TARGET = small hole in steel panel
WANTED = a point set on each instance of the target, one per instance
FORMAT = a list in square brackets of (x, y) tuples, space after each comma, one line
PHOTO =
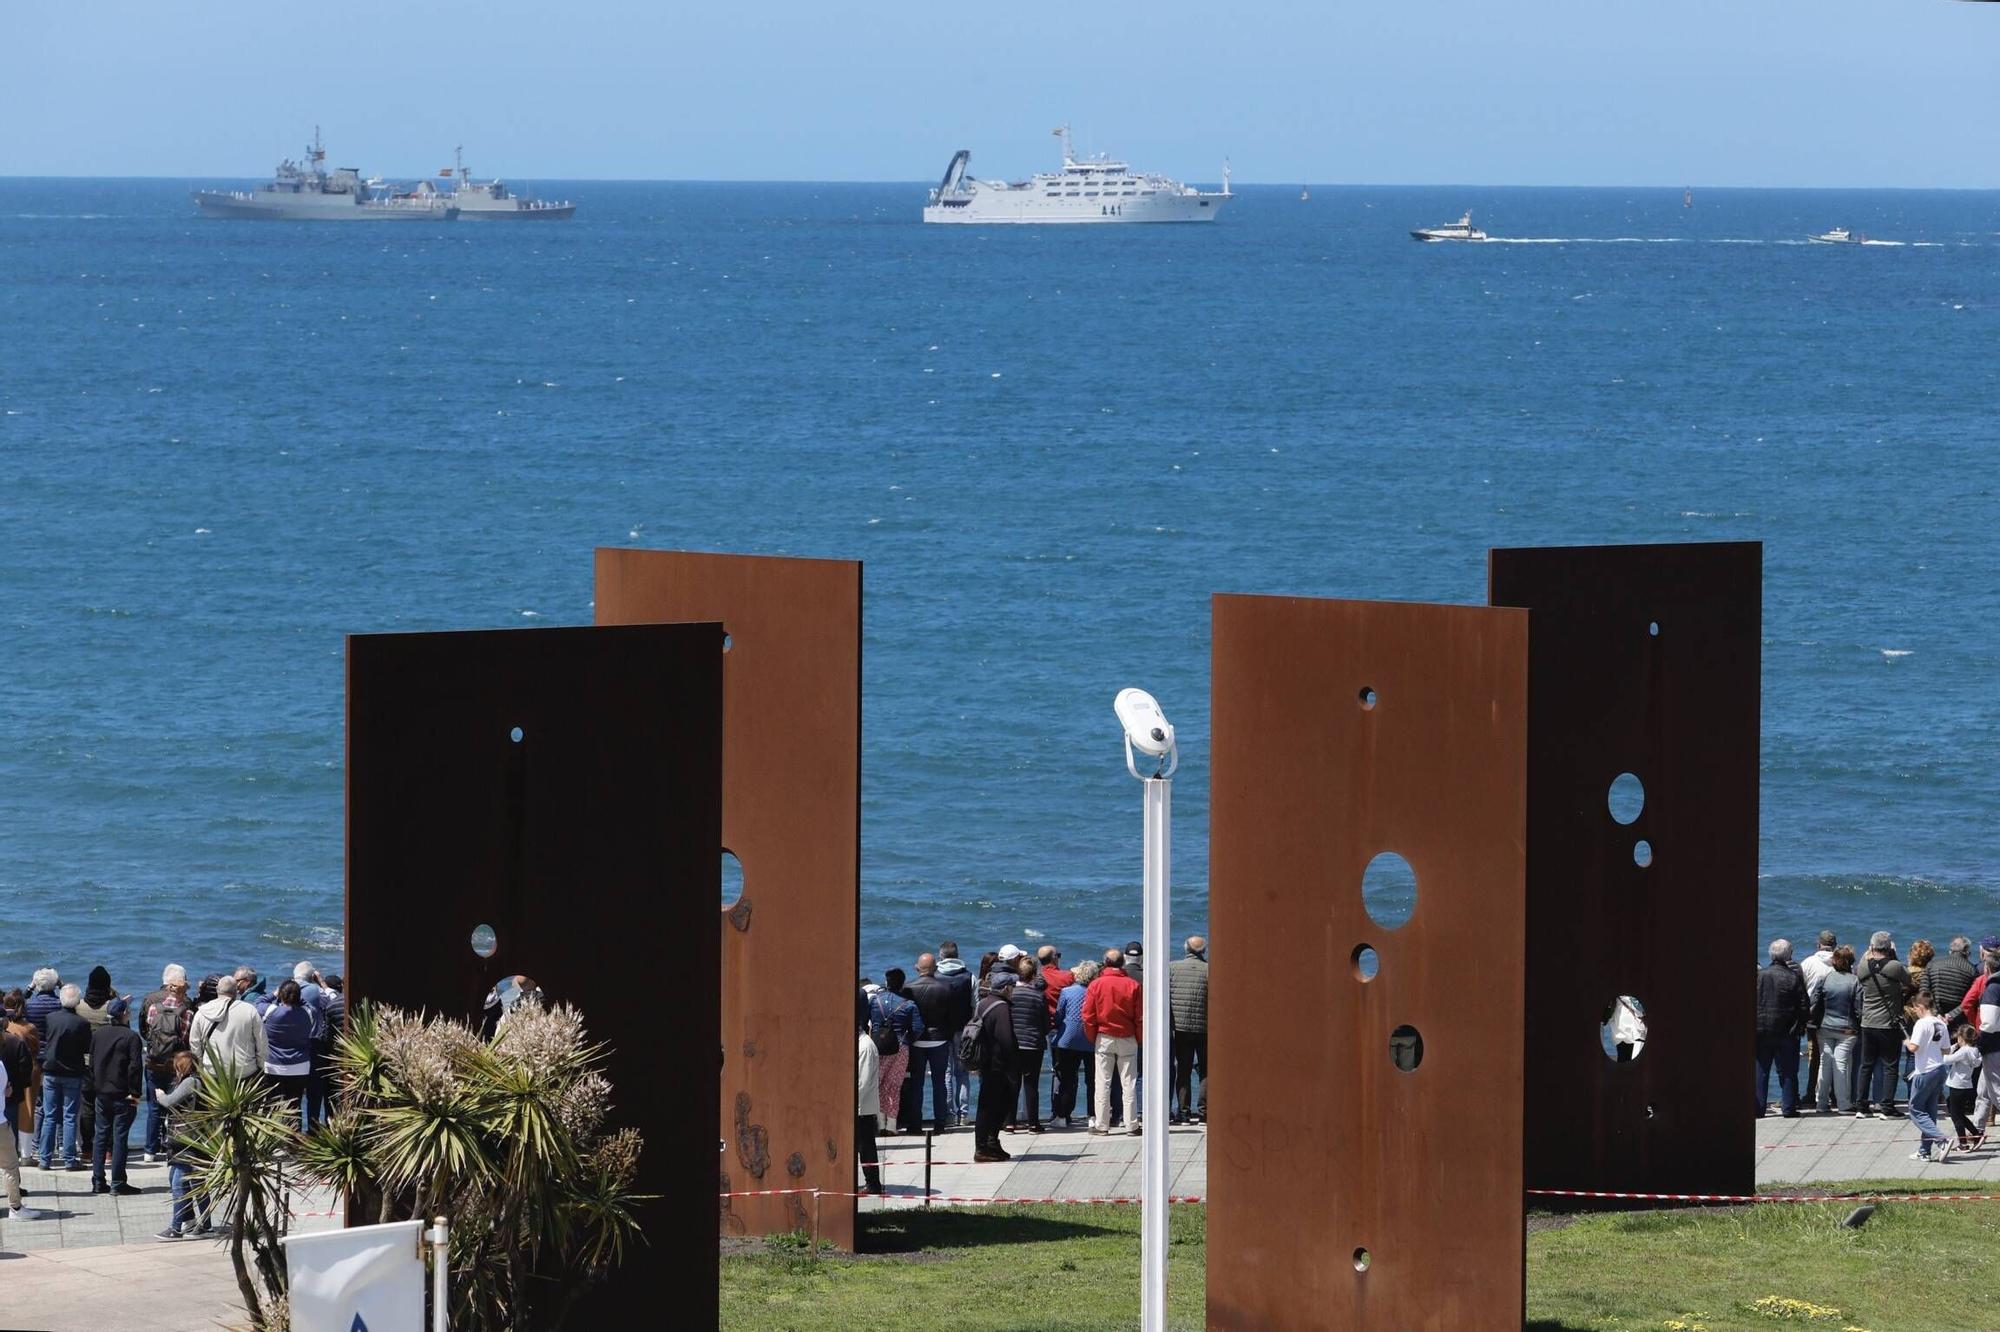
[(732, 879), (1368, 698), (517, 735), (1621, 1030), (727, 642), (1642, 854), (485, 942), (1406, 1048), (1362, 1259), (1627, 798), (1389, 890), (1366, 963), (1653, 629)]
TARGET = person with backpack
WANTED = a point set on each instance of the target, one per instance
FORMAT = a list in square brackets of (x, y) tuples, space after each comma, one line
[(164, 1020), (986, 1047), (1884, 983), (893, 1022)]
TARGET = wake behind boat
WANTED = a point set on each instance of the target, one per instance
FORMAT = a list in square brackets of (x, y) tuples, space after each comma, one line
[(1461, 230), (1095, 189), (307, 192)]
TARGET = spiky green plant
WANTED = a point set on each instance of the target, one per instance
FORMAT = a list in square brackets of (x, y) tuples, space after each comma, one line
[(505, 1137), (241, 1142)]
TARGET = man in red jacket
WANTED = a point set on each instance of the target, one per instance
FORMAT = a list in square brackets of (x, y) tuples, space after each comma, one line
[(1113, 1021)]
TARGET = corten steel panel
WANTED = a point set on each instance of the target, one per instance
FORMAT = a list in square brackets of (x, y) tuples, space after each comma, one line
[(1679, 709), (588, 846), (791, 814), (1319, 1144)]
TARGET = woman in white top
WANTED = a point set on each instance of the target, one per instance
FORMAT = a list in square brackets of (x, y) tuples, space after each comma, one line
[(867, 1097), (1926, 1043)]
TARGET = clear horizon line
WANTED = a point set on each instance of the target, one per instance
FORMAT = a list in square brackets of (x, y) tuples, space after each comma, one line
[(925, 183)]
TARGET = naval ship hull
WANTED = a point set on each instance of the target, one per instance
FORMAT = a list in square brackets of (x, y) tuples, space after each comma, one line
[(507, 211), (313, 208)]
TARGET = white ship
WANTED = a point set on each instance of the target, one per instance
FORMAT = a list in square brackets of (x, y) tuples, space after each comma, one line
[(1094, 189), (1839, 236), (1461, 230)]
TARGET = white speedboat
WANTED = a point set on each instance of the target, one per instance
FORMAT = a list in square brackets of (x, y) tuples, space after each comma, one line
[(1840, 236), (1461, 230)]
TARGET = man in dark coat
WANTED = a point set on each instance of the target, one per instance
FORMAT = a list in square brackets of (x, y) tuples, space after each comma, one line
[(1781, 1016), (1187, 989), (997, 1083), (65, 1058), (118, 1073)]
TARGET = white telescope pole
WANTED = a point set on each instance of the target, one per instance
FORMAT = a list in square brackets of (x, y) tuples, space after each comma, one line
[(1153, 1175)]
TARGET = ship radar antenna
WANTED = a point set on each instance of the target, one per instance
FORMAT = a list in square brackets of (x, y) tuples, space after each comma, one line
[(318, 150), (460, 153)]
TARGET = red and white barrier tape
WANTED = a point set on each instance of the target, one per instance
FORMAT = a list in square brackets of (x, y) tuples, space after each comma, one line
[(1851, 1198), (941, 1198)]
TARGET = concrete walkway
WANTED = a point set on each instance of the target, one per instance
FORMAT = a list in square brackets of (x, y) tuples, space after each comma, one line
[(1070, 1164), (90, 1264)]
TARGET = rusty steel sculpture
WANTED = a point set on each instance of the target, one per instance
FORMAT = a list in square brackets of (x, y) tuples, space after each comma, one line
[(547, 803), (1366, 1166), (1642, 855), (791, 815)]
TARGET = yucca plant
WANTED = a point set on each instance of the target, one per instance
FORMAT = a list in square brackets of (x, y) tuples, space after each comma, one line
[(241, 1143), (505, 1137)]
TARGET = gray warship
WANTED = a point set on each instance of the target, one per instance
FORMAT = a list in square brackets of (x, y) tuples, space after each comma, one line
[(491, 200), (308, 192)]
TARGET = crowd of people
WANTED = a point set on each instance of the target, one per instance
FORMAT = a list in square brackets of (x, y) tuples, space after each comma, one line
[(1000, 1023), (1874, 1025), (79, 1067)]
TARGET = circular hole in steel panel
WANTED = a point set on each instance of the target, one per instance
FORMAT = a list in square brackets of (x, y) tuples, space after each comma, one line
[(732, 879), (727, 643), (1362, 1259), (1626, 799), (1642, 854), (1406, 1048), (1622, 1029), (517, 735), (1653, 629), (1389, 890), (484, 941), (1366, 963), (1368, 698)]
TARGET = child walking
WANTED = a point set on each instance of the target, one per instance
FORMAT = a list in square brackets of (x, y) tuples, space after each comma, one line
[(1926, 1044), (1961, 1079)]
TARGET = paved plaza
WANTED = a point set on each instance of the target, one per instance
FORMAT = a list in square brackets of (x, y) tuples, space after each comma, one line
[(91, 1264)]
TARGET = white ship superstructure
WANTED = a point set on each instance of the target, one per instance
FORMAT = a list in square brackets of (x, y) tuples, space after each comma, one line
[(1093, 189)]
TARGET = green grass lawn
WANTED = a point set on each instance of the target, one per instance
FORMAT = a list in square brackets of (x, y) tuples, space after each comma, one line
[(1059, 1268)]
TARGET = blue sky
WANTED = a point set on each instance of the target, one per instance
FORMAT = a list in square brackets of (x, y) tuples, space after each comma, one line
[(1586, 92)]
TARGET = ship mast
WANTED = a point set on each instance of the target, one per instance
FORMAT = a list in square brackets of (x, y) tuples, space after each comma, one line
[(1062, 132)]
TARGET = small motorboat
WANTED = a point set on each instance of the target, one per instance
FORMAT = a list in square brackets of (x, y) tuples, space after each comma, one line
[(1839, 236), (1304, 194), (1461, 230)]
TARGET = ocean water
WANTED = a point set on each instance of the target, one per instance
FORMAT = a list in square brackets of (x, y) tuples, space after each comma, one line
[(225, 445)]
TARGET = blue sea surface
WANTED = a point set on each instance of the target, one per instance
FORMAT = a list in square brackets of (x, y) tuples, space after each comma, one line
[(224, 445)]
